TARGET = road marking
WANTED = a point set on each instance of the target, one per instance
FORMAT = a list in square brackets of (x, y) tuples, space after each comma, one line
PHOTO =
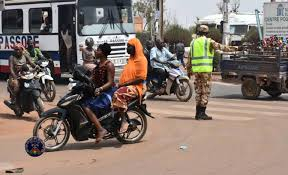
[(191, 114), (261, 108), (233, 111), (5, 166), (224, 84)]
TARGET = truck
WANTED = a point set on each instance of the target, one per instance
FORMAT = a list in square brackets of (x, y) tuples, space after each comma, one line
[(257, 71), (264, 68)]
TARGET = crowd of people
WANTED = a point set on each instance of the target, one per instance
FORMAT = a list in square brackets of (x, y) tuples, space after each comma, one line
[(141, 65)]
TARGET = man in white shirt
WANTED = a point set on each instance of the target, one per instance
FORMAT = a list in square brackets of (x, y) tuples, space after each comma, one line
[(158, 57)]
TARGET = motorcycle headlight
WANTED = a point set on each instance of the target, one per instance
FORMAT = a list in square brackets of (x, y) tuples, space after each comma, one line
[(44, 64)]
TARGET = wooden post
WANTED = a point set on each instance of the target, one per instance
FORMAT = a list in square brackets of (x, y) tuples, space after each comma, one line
[(161, 22)]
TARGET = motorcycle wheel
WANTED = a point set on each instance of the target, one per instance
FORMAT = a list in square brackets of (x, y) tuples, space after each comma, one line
[(136, 129), (185, 94), (45, 132), (50, 91), (39, 106)]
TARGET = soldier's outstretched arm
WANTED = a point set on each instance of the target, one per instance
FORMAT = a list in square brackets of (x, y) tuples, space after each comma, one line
[(218, 46)]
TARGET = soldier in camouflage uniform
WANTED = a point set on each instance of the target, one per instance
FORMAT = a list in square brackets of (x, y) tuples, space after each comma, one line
[(201, 65)]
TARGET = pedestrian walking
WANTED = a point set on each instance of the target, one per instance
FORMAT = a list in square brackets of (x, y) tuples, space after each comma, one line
[(147, 50), (180, 50), (200, 63)]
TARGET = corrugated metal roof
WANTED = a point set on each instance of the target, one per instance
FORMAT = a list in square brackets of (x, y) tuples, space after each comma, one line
[(234, 19)]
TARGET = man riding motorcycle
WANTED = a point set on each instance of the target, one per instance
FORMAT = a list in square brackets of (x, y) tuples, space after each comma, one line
[(159, 56), (34, 53), (16, 61)]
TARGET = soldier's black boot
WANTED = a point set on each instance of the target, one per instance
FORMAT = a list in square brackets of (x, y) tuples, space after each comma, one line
[(203, 115), (197, 112)]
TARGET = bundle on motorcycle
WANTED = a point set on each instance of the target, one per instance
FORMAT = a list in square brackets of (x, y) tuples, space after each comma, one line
[(68, 117), (176, 82), (28, 98)]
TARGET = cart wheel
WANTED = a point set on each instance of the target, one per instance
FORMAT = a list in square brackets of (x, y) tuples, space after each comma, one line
[(250, 89)]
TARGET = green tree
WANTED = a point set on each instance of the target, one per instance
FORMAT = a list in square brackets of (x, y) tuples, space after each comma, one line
[(143, 37), (144, 9), (215, 34), (176, 33), (251, 36)]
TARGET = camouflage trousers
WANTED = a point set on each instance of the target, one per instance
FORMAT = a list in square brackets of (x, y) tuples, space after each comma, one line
[(202, 84)]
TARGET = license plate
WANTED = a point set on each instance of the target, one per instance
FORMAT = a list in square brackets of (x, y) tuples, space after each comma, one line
[(119, 62)]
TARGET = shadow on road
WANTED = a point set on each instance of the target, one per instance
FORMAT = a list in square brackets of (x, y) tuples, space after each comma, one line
[(181, 118), (240, 97), (163, 99), (13, 117), (92, 145)]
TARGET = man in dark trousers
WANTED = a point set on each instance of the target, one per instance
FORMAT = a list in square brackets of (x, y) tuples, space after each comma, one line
[(148, 46), (180, 50), (201, 65)]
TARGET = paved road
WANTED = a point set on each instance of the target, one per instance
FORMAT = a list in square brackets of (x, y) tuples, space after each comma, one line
[(246, 137)]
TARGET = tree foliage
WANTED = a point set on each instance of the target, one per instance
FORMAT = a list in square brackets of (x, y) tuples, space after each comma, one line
[(144, 9), (220, 6), (251, 36), (143, 37), (234, 6), (176, 33), (215, 34)]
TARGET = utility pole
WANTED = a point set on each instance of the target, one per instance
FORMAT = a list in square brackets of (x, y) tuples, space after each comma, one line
[(2, 5), (161, 23), (226, 27), (152, 26), (258, 25)]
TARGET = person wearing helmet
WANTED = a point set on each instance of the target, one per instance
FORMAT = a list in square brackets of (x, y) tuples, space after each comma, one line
[(16, 61), (200, 63), (88, 54)]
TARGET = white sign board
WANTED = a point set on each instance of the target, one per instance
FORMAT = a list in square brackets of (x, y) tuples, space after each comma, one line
[(276, 19), (2, 5)]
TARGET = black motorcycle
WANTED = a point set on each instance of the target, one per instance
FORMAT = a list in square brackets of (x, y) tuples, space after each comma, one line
[(29, 96), (56, 124)]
